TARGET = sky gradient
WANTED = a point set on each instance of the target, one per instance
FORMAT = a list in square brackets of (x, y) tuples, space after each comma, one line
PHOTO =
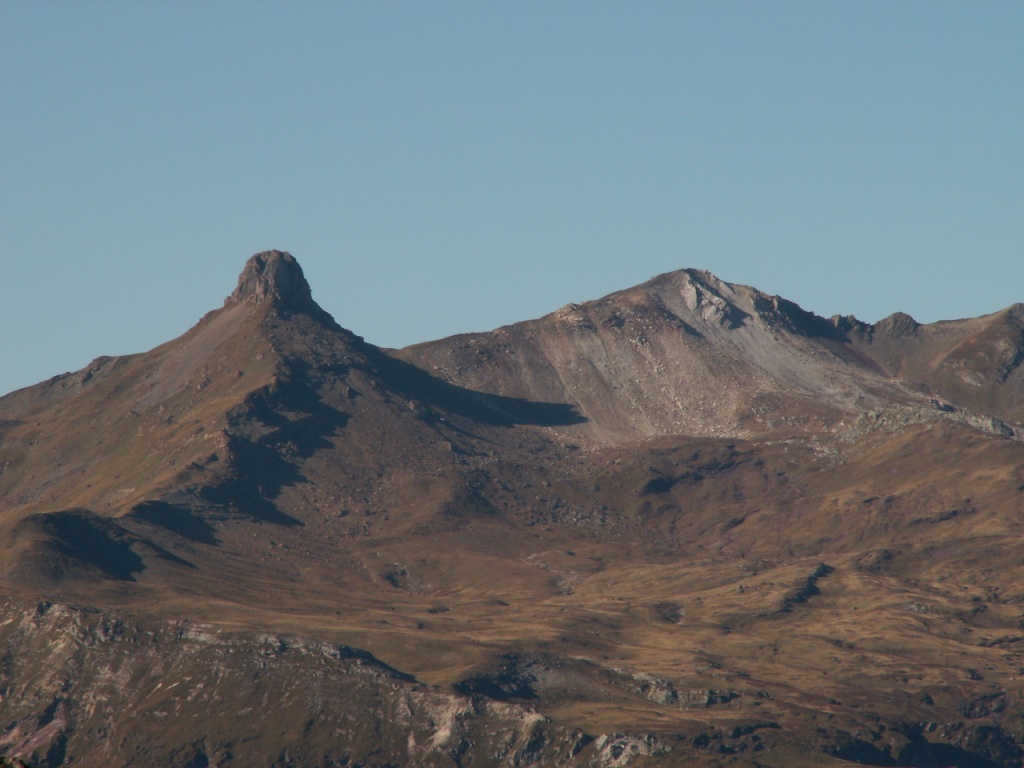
[(446, 167)]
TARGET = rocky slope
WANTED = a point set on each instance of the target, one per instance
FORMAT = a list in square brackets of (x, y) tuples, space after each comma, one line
[(687, 353), (978, 363), (687, 524), (110, 691)]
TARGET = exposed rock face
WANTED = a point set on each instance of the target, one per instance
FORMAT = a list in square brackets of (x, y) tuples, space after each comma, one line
[(103, 690), (275, 278), (272, 276)]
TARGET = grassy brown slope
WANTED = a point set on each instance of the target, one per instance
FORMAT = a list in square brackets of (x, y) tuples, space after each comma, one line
[(701, 610), (125, 428), (906, 628)]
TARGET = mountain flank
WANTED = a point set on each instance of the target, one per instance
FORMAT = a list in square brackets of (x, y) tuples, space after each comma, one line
[(688, 523), (687, 353)]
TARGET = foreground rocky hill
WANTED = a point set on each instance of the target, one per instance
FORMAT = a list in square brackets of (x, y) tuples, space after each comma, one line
[(687, 524)]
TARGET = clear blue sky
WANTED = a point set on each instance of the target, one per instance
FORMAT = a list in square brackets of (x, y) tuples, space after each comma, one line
[(439, 167)]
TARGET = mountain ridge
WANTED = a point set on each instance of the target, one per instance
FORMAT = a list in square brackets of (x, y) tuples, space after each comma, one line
[(682, 524), (689, 321)]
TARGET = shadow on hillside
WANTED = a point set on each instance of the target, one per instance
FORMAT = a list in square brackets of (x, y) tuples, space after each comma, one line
[(920, 752), (176, 519), (481, 407), (83, 539), (280, 425), (276, 428)]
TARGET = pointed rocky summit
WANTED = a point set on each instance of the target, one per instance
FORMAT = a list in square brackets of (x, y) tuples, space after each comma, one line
[(276, 277), (273, 276)]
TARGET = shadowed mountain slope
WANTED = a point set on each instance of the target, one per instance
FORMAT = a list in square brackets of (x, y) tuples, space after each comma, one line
[(686, 524)]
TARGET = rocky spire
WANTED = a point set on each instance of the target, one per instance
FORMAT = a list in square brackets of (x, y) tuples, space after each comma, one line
[(276, 277), (273, 276)]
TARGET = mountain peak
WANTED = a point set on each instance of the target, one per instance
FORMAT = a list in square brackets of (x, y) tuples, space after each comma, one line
[(273, 276)]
